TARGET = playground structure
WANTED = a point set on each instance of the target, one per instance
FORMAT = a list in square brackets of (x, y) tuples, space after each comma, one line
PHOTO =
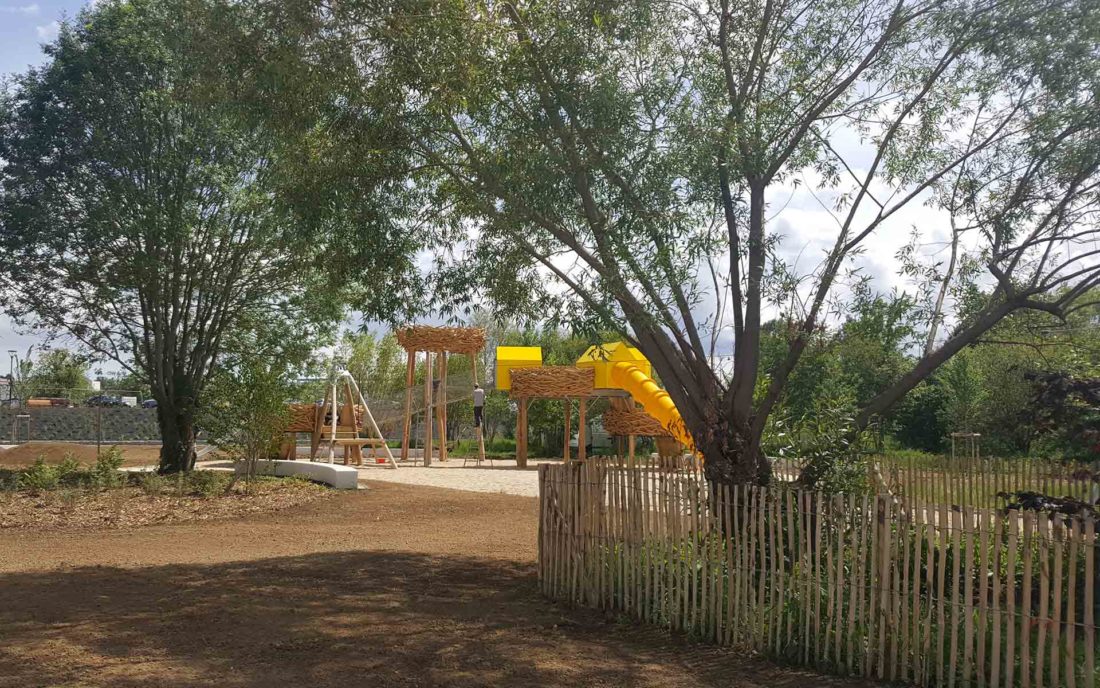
[(616, 371), (437, 343), (339, 421), (552, 382)]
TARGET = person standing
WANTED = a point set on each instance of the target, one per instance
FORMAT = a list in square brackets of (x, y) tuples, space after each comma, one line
[(479, 405)]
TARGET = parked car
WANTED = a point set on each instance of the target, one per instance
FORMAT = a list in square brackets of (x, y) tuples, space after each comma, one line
[(149, 403), (105, 400)]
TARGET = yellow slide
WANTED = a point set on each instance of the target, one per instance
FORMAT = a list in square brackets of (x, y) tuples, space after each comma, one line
[(653, 399), (618, 366)]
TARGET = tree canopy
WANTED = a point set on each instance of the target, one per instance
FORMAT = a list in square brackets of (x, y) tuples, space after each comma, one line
[(148, 213), (620, 165)]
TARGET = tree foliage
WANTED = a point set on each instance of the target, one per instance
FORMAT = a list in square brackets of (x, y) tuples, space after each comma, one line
[(148, 213), (618, 166), (57, 373)]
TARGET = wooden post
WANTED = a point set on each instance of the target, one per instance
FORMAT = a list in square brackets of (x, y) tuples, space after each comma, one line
[(630, 448), (568, 428), (427, 408), (581, 453), (410, 377), (441, 406), (521, 433)]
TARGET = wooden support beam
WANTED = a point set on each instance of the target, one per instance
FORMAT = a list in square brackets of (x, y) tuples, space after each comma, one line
[(428, 408), (441, 405), (410, 377), (582, 454), (521, 433), (568, 404)]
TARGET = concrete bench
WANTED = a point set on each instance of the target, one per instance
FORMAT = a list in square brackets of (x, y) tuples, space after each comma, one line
[(336, 475)]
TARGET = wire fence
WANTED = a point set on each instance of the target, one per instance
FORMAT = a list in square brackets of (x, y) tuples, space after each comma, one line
[(857, 585)]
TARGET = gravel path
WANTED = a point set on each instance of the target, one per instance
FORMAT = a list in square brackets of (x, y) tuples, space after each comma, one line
[(504, 478)]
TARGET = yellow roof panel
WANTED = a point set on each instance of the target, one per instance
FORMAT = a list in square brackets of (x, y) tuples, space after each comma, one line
[(614, 352), (519, 355)]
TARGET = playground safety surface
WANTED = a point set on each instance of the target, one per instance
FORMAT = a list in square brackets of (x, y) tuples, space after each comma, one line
[(397, 585)]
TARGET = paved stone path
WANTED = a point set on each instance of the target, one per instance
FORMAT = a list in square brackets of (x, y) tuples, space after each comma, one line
[(503, 478)]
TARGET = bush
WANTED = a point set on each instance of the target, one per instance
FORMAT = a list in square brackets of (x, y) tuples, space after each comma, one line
[(105, 473), (40, 476), (151, 483), (208, 483), (919, 418), (68, 471)]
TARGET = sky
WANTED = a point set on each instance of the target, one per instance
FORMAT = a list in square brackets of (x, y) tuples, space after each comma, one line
[(24, 26), (796, 211)]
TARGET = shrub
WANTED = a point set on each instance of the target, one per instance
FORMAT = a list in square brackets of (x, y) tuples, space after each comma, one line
[(40, 476), (105, 473), (68, 471), (208, 483), (9, 480), (151, 482)]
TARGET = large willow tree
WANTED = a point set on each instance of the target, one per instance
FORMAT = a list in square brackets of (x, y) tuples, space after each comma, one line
[(149, 214), (621, 164)]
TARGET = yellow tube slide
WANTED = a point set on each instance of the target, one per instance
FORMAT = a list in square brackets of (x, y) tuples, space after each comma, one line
[(653, 399)]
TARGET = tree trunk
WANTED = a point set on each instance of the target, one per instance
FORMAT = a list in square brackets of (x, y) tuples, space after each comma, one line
[(177, 433), (731, 456)]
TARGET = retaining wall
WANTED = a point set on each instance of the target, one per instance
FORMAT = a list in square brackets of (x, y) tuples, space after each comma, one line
[(80, 424)]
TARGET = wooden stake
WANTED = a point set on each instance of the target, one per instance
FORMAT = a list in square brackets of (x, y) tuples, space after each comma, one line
[(410, 376), (428, 408), (441, 405), (521, 432), (568, 406), (582, 405)]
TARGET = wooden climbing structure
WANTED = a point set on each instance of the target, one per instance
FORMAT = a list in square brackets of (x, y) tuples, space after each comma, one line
[(437, 344), (625, 420), (343, 420), (552, 382), (638, 406)]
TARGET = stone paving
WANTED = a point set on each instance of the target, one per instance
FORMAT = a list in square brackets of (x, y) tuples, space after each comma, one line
[(501, 478)]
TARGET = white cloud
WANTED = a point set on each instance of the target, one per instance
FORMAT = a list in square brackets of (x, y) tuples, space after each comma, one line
[(48, 32), (29, 10)]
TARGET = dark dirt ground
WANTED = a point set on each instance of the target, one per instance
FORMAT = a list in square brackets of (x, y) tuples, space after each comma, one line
[(393, 586)]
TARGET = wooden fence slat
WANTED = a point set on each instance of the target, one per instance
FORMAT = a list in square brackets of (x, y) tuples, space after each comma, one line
[(1074, 536), (969, 526), (956, 593), (1028, 556), (984, 571), (996, 540), (1044, 599), (1089, 603), (854, 583), (1058, 545), (793, 544)]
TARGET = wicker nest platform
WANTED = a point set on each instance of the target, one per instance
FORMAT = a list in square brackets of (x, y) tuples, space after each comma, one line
[(302, 417), (555, 382), (429, 338), (619, 421)]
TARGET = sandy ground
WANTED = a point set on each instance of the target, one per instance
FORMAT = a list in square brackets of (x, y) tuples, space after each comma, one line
[(502, 478), (24, 455), (393, 586)]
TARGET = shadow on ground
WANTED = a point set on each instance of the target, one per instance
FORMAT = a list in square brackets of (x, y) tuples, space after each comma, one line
[(337, 619)]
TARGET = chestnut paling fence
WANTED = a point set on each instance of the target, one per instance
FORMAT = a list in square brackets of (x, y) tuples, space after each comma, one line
[(871, 586)]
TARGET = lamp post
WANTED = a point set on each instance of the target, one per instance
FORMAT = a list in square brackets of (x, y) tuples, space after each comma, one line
[(11, 375)]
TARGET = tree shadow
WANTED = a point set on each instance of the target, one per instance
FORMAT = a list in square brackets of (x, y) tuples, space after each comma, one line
[(336, 619)]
